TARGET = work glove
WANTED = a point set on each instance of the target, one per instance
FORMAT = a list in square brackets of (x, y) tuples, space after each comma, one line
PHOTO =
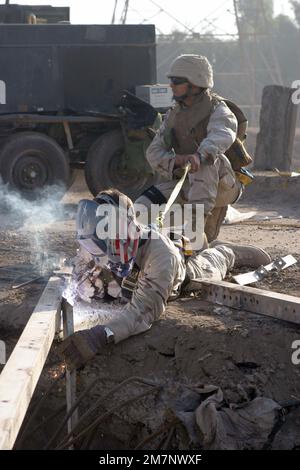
[(193, 159), (85, 291), (79, 348)]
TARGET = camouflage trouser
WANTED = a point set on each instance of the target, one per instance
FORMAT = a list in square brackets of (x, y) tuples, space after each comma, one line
[(212, 264), (213, 186)]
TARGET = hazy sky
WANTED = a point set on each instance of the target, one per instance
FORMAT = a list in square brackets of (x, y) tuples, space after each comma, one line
[(198, 15)]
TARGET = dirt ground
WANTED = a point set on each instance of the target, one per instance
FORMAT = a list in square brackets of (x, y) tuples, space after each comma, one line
[(194, 343)]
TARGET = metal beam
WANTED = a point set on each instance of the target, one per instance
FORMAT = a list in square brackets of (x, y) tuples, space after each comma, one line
[(68, 329), (268, 303), (23, 369)]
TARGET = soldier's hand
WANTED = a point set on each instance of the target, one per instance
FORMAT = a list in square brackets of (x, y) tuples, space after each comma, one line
[(182, 160), (85, 290)]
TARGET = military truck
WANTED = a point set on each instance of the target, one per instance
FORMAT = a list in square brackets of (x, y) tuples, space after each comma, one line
[(67, 100)]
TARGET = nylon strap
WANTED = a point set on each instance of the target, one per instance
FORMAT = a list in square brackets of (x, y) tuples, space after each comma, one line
[(162, 214)]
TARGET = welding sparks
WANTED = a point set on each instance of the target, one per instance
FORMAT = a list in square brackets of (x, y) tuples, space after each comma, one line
[(57, 372), (70, 291)]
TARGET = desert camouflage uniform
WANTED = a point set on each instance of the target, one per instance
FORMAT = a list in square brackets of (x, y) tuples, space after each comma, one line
[(209, 128), (163, 268)]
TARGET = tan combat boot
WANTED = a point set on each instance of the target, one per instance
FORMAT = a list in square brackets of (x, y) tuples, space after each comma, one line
[(245, 255)]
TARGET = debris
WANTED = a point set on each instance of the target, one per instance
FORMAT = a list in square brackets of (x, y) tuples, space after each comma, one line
[(288, 437), (222, 311), (207, 356), (237, 427), (292, 174), (233, 216), (245, 334), (254, 276), (268, 217)]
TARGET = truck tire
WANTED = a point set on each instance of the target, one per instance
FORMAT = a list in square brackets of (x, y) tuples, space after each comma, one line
[(103, 168), (30, 161)]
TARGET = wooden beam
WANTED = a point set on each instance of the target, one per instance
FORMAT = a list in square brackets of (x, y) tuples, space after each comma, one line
[(272, 304), (22, 371)]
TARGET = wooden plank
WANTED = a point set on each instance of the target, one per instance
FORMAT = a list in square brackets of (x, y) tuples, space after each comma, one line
[(68, 329), (272, 304), (22, 371)]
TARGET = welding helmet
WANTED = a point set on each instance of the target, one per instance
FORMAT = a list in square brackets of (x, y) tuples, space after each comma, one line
[(107, 228), (86, 224)]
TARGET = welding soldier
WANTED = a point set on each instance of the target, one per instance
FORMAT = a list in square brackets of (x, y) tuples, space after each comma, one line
[(162, 269), (198, 130)]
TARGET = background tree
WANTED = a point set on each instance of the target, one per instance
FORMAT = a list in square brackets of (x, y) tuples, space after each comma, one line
[(296, 8), (254, 14)]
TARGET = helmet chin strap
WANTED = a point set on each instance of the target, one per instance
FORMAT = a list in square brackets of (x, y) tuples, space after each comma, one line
[(180, 99)]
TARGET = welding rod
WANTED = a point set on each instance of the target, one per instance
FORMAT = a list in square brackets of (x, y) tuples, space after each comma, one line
[(23, 284), (18, 286)]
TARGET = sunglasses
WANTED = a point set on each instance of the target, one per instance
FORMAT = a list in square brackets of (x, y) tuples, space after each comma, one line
[(178, 80)]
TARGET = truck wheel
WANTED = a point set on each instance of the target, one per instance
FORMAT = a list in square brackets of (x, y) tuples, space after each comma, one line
[(103, 168), (31, 160)]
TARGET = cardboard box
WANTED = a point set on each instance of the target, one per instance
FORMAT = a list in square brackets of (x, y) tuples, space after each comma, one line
[(159, 96)]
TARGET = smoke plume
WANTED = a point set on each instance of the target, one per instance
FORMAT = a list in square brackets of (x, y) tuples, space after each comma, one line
[(31, 220)]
